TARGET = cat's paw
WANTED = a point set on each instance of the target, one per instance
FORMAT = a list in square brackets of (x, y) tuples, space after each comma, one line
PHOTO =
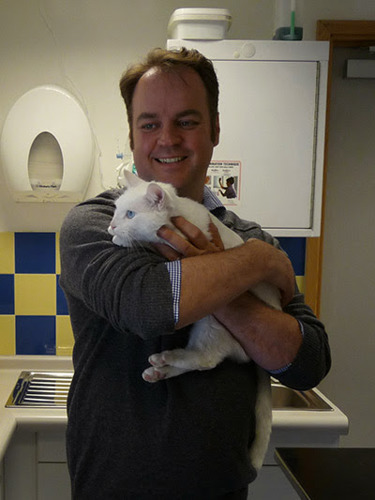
[(159, 359), (152, 374)]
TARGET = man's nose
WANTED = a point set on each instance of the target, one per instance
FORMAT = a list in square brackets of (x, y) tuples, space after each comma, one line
[(169, 135)]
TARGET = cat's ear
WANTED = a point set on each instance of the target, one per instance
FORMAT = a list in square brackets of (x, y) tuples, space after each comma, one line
[(131, 179), (156, 195)]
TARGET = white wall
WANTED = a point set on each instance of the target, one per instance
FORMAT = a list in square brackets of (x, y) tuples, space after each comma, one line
[(348, 291), (85, 45)]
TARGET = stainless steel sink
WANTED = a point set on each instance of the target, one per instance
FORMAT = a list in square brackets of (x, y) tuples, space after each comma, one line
[(284, 398), (50, 389)]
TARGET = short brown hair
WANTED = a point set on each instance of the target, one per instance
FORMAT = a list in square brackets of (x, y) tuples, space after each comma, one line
[(169, 61)]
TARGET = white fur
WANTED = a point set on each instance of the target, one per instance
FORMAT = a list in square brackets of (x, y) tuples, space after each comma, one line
[(152, 205)]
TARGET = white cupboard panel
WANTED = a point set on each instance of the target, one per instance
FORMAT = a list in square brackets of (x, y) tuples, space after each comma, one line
[(53, 481), (271, 484), (272, 114), (268, 124)]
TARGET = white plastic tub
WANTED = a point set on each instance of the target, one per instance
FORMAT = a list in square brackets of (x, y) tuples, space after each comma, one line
[(199, 24)]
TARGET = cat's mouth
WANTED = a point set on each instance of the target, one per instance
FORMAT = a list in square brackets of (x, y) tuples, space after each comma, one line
[(176, 159)]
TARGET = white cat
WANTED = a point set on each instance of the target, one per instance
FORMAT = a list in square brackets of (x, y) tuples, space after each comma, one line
[(140, 211)]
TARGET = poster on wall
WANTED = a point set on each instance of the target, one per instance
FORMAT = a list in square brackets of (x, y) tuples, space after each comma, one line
[(224, 179)]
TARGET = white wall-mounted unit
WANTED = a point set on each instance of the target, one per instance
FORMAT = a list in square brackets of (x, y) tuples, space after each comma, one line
[(47, 147), (272, 116)]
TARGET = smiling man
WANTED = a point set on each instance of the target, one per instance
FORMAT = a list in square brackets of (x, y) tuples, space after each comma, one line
[(185, 437), (172, 130)]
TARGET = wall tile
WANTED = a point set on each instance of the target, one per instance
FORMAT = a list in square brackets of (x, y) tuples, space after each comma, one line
[(7, 253), (61, 304), (35, 253), (34, 316), (36, 335), (6, 293), (64, 336), (35, 294), (7, 336)]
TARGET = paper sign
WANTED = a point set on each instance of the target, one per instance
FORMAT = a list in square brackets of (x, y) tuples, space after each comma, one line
[(224, 179)]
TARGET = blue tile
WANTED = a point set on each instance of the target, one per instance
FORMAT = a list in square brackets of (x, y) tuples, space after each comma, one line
[(36, 335), (6, 293), (35, 253), (61, 304), (296, 250)]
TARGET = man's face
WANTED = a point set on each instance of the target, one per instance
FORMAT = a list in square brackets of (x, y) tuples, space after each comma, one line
[(172, 130)]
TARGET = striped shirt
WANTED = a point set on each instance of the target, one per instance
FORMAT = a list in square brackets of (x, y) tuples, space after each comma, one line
[(210, 201)]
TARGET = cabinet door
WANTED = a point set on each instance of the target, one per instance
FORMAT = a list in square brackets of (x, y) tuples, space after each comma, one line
[(53, 481), (268, 120), (271, 484), (52, 470)]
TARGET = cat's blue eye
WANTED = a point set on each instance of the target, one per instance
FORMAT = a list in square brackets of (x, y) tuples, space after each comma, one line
[(130, 214)]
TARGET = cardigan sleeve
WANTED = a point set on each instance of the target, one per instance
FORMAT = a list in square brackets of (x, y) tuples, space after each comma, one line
[(129, 287), (313, 360)]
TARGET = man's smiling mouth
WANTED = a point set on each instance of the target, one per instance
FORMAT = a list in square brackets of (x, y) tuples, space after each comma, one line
[(176, 159)]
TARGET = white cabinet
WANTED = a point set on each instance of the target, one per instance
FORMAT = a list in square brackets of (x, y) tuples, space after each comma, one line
[(52, 470), (1, 481), (53, 481), (272, 484), (272, 113), (35, 466)]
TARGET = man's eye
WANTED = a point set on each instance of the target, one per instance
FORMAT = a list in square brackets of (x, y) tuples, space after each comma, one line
[(130, 214), (188, 123), (148, 126)]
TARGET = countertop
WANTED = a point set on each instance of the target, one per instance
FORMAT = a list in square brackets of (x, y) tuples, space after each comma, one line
[(36, 418), (342, 472), (11, 418)]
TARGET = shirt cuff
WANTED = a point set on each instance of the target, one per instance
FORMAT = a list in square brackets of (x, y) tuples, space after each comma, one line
[(174, 269)]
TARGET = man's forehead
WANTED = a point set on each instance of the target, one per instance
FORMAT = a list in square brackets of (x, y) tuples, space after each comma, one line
[(183, 73)]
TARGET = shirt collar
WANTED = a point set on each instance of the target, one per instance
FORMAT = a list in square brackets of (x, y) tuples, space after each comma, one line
[(210, 200)]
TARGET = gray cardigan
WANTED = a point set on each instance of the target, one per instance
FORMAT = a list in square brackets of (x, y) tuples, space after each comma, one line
[(181, 438)]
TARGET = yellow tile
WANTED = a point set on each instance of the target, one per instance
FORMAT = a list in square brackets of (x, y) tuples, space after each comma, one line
[(6, 253), (64, 336), (301, 283), (58, 268), (7, 335), (35, 294)]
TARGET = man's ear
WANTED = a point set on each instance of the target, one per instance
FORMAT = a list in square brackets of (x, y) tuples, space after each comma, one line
[(217, 131)]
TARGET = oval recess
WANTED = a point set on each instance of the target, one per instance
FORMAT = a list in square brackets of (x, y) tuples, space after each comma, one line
[(45, 163)]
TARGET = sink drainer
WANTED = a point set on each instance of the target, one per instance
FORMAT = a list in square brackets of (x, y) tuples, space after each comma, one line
[(41, 389)]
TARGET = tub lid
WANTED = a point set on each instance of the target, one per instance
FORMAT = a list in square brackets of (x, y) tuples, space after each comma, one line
[(200, 14)]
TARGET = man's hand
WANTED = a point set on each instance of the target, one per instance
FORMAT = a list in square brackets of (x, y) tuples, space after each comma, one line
[(195, 243), (214, 278)]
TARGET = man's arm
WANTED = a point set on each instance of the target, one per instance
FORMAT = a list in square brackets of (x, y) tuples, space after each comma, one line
[(212, 278), (293, 344), (271, 338)]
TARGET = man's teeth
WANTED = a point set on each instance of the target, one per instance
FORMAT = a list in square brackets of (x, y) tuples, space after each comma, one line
[(171, 160)]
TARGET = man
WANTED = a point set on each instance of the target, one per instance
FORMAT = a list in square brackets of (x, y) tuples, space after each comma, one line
[(229, 191), (185, 437)]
